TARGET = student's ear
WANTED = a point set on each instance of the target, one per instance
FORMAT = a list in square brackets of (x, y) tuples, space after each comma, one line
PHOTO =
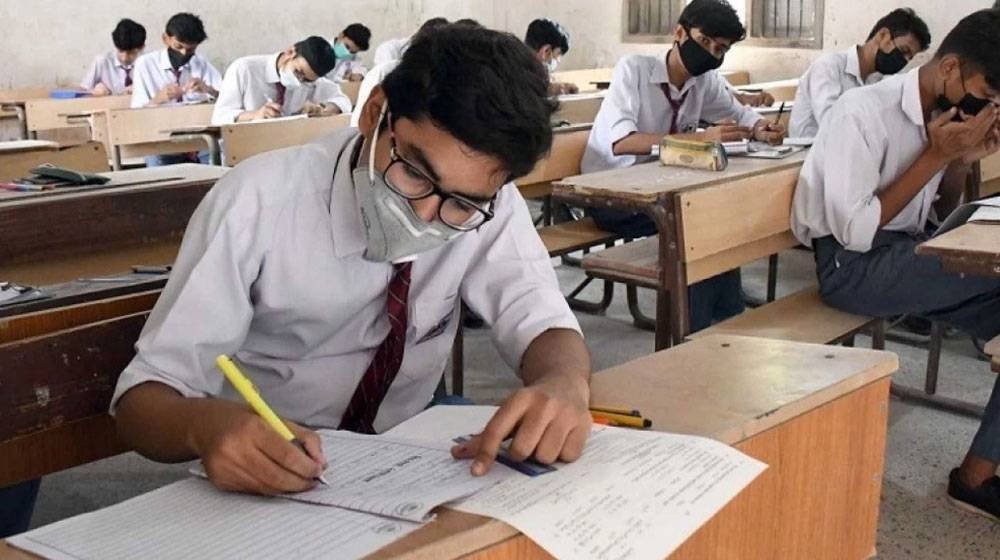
[(371, 111), (544, 53), (949, 66), (679, 33), (166, 39)]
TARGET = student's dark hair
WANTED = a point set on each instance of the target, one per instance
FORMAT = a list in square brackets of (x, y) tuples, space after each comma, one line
[(716, 19), (484, 87), (359, 34), (543, 32), (468, 21), (318, 53), (186, 28), (976, 41), (904, 21), (432, 23), (128, 35)]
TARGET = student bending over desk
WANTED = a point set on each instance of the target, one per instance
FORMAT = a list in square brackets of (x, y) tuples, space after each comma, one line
[(868, 186), (653, 96), (550, 41), (892, 43), (288, 83), (351, 41), (176, 74), (338, 292), (111, 73)]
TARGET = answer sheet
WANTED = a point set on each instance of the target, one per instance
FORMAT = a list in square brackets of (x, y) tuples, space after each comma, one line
[(632, 495), (394, 478), (191, 519)]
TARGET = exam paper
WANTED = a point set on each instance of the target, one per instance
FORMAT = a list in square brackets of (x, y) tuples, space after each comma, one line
[(191, 519), (394, 478), (986, 214), (632, 495), (444, 423)]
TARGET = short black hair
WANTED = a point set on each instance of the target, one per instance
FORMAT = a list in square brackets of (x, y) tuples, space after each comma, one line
[(432, 23), (715, 18), (318, 53), (543, 32), (484, 87), (128, 35), (901, 22), (468, 21), (976, 42), (186, 28), (359, 35)]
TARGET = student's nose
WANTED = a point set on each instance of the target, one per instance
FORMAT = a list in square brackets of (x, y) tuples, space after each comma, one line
[(427, 208)]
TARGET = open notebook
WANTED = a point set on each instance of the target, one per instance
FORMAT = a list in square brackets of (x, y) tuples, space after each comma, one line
[(639, 493)]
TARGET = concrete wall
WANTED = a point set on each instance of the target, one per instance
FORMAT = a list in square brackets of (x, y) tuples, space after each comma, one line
[(46, 42)]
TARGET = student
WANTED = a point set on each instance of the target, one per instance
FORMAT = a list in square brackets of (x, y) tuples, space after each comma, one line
[(887, 156), (288, 83), (174, 75), (387, 56), (393, 49), (352, 40), (652, 96), (111, 73), (290, 260), (550, 41), (892, 43)]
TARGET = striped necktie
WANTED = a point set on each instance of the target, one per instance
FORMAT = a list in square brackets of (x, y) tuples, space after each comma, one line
[(360, 414)]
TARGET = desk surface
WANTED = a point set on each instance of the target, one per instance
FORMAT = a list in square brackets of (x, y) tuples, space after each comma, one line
[(971, 248), (645, 183), (15, 146), (726, 387), (131, 179)]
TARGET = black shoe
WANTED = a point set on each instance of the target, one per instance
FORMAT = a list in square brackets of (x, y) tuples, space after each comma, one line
[(916, 325), (983, 500)]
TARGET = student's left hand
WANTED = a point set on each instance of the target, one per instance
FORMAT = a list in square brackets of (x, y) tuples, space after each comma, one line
[(989, 146), (549, 421), (767, 131), (197, 85), (100, 90), (760, 99)]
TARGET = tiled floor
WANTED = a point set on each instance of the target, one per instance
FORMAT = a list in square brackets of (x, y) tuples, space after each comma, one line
[(916, 522)]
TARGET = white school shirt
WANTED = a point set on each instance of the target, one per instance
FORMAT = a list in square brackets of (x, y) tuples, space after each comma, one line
[(391, 50), (271, 270), (347, 66), (868, 139), (153, 72), (106, 69), (372, 79), (253, 80), (827, 78), (636, 103)]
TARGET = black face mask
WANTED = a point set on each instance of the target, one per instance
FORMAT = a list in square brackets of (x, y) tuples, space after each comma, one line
[(696, 58), (887, 63), (969, 104), (177, 59)]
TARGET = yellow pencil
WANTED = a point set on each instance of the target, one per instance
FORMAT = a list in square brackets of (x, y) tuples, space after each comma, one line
[(614, 410), (623, 420), (249, 393)]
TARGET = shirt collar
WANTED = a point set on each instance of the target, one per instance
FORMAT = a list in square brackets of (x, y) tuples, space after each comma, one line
[(271, 72), (854, 64), (658, 75), (911, 97), (348, 234), (164, 61)]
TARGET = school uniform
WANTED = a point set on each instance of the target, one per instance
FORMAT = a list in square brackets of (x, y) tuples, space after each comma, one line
[(372, 79), (827, 78), (152, 73), (642, 99), (108, 70), (347, 66), (271, 270), (868, 139), (252, 81), (391, 50)]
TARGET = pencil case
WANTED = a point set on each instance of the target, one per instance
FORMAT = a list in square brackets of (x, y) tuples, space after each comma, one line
[(710, 156)]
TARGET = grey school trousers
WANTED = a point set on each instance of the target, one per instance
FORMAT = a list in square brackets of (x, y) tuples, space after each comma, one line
[(891, 279)]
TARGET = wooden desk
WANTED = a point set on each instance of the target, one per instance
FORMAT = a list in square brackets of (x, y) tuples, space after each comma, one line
[(137, 218), (709, 222), (967, 249), (88, 157), (245, 140), (15, 99), (815, 414), (142, 132), (64, 114), (21, 146), (579, 108)]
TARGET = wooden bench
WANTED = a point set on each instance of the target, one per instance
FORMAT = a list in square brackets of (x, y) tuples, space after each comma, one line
[(130, 133), (585, 80), (69, 119), (578, 108), (782, 90), (12, 102), (244, 140), (88, 157)]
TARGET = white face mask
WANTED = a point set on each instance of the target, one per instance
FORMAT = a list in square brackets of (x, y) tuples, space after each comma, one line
[(393, 231), (289, 79), (552, 64)]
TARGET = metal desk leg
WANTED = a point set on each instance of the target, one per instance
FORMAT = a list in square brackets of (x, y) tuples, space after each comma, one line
[(214, 152), (116, 158), (22, 121)]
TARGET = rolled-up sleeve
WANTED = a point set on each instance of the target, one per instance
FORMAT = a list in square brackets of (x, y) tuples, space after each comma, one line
[(511, 284), (720, 104), (824, 88), (622, 102), (230, 104), (205, 309), (327, 91), (850, 178), (92, 77)]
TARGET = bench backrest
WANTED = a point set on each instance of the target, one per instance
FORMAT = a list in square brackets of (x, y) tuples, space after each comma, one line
[(88, 157), (579, 108), (583, 79), (244, 140), (142, 132), (782, 90)]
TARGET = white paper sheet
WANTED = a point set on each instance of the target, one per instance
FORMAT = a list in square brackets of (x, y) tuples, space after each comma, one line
[(191, 519), (394, 478), (986, 214), (444, 423), (635, 495)]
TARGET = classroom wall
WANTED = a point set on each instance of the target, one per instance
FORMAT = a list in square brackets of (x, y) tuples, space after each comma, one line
[(51, 41)]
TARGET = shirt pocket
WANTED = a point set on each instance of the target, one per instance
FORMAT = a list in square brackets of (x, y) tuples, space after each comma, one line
[(434, 321)]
